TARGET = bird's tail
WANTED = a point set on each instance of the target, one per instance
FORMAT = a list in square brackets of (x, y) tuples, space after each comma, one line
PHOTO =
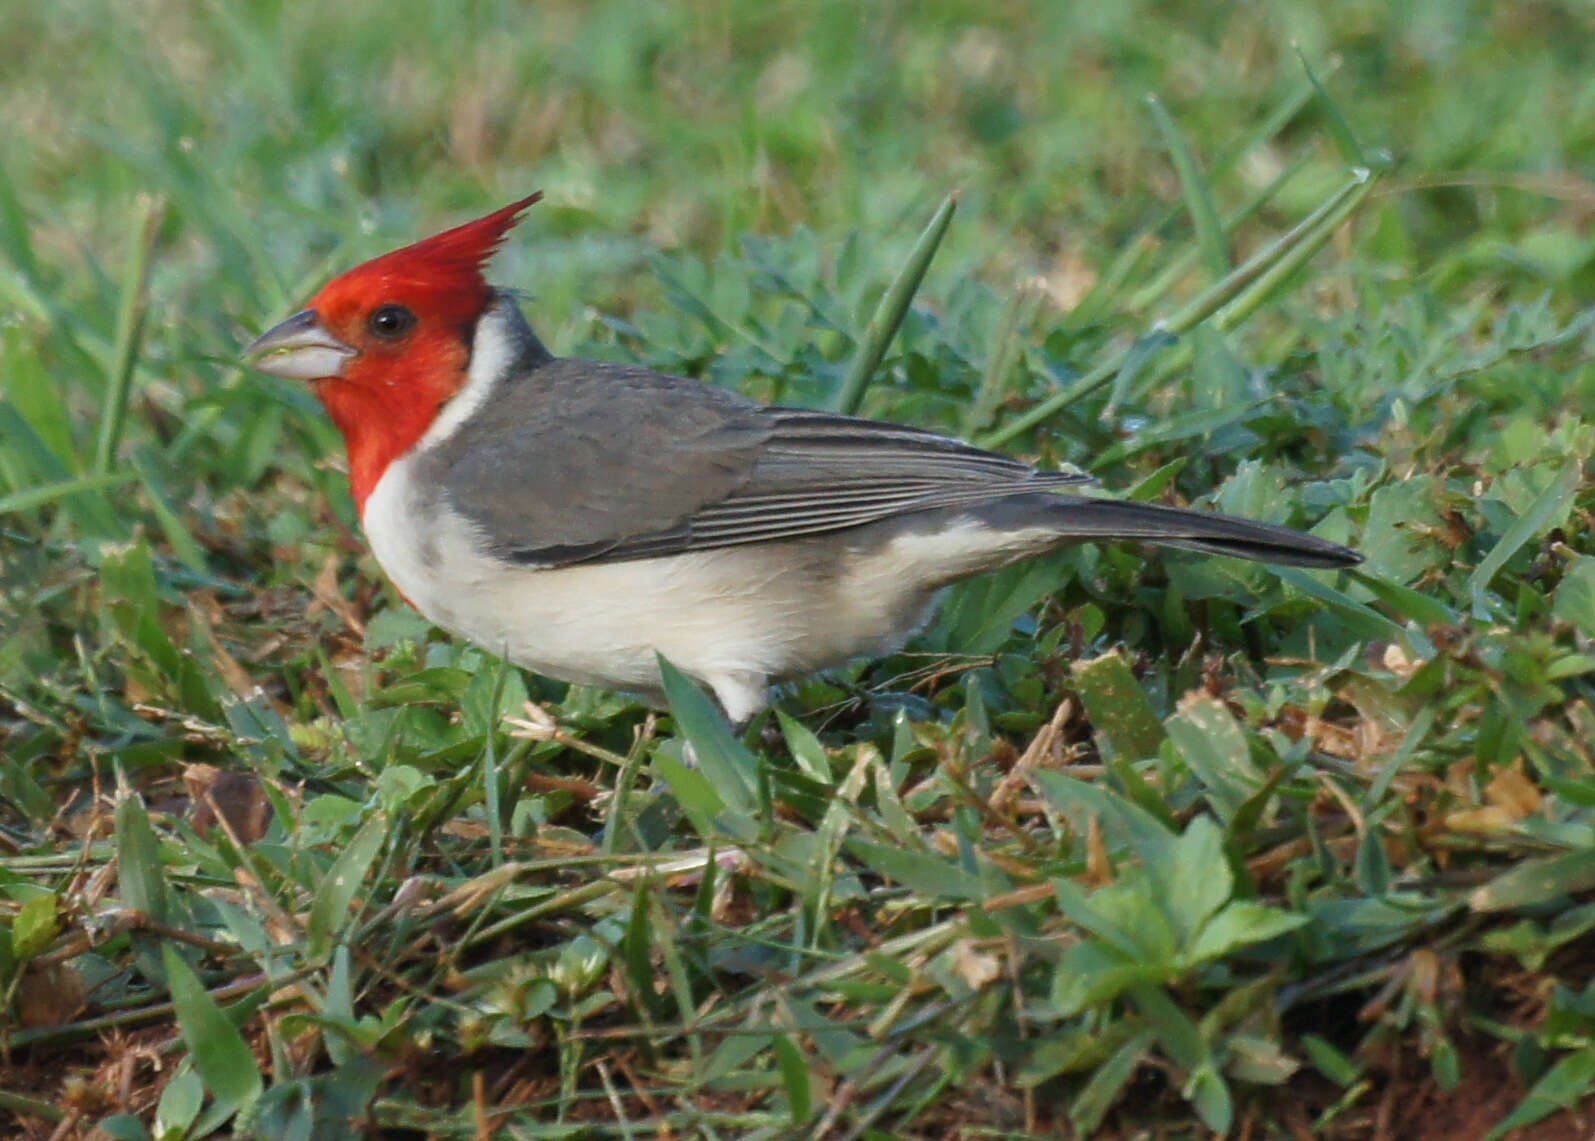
[(1082, 517)]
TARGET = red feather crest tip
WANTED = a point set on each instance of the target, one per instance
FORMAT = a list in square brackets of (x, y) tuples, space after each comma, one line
[(455, 255)]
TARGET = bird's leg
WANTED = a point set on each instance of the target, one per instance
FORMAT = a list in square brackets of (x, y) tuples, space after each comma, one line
[(741, 697)]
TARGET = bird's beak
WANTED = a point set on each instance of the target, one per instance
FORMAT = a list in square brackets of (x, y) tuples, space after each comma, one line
[(300, 349)]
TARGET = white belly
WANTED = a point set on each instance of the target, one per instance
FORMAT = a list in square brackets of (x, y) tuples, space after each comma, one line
[(733, 617)]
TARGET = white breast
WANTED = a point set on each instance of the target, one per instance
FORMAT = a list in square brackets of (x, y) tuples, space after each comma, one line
[(734, 618), (728, 621)]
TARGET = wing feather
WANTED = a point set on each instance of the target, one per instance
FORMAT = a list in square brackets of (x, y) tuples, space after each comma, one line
[(584, 462), (819, 472)]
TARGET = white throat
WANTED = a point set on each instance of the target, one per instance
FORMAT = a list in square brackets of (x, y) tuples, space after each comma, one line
[(494, 350)]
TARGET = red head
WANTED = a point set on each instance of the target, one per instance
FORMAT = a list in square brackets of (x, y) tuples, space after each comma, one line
[(388, 343)]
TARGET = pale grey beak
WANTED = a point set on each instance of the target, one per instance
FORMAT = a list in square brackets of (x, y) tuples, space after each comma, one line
[(300, 349)]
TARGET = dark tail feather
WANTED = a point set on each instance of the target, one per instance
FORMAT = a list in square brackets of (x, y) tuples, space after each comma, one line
[(1081, 517)]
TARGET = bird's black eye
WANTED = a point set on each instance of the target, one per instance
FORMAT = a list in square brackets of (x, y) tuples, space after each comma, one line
[(390, 322)]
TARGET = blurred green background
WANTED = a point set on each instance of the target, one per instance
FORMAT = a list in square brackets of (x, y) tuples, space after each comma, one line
[(277, 130)]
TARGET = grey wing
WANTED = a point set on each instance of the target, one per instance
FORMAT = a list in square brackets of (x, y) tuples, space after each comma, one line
[(575, 458), (584, 462), (818, 471)]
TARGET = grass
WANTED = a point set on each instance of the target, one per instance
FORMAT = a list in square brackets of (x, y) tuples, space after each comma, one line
[(1125, 845)]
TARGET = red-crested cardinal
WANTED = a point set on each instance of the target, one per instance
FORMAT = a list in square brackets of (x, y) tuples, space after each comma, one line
[(581, 517)]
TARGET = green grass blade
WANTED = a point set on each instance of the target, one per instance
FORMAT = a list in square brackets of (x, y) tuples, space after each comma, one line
[(34, 497), (1277, 121), (490, 766), (1198, 201), (1179, 266), (1290, 249), (1553, 503), (129, 330), (1125, 264), (999, 368), (890, 312), (16, 241), (1309, 234), (1409, 603), (181, 539), (1339, 128), (1265, 279), (1090, 1106), (1360, 616), (138, 858), (1310, 237)]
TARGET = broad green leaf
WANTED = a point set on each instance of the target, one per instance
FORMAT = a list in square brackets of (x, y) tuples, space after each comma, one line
[(794, 1077), (35, 926), (123, 1127), (396, 784), (495, 691), (1130, 913), (1401, 517), (1182, 1040), (1214, 748), (1259, 1059), (180, 1104), (1062, 1051), (335, 895), (1537, 881), (1562, 1087), (1372, 864), (806, 748), (1078, 907), (338, 1003), (1117, 706), (1239, 924), (978, 616), (894, 814), (928, 875), (1122, 823), (1092, 973), (215, 1046), (1548, 510), (724, 760), (1181, 1037), (1207, 1090), (1575, 596), (701, 799), (1198, 878)]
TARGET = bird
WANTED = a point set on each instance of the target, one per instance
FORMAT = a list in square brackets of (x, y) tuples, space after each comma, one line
[(582, 518)]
